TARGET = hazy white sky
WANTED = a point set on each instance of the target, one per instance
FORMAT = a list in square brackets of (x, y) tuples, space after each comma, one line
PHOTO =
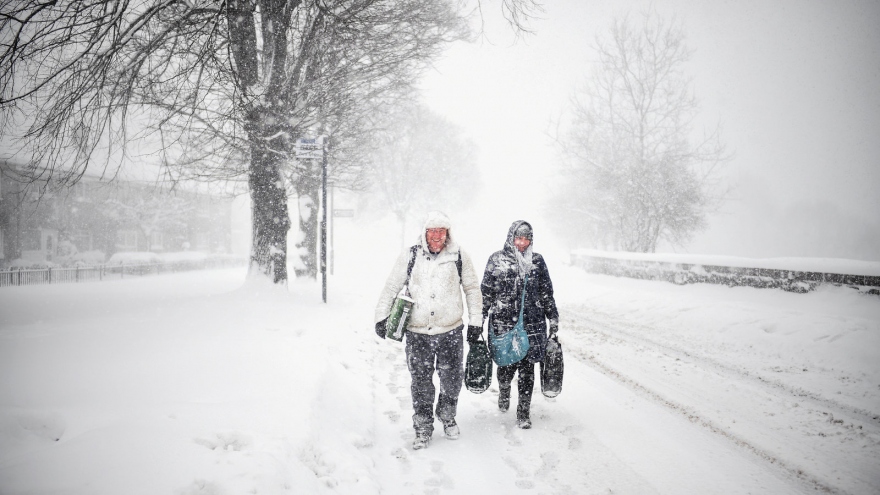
[(794, 83)]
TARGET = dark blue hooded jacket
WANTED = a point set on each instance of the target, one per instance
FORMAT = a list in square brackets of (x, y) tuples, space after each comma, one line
[(502, 289)]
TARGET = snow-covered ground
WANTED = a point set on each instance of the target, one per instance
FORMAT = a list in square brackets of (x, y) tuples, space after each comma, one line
[(200, 383)]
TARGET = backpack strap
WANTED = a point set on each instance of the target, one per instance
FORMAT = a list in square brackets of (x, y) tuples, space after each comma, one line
[(412, 261), (522, 303)]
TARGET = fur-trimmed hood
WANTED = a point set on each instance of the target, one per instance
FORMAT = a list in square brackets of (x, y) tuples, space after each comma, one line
[(439, 220)]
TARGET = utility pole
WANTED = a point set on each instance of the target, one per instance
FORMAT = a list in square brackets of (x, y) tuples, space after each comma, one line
[(332, 226)]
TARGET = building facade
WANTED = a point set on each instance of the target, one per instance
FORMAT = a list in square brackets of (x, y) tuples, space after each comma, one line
[(93, 219)]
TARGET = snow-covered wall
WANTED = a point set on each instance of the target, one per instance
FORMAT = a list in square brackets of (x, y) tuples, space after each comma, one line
[(791, 274)]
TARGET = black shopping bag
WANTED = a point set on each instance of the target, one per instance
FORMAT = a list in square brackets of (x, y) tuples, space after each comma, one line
[(552, 368), (478, 371)]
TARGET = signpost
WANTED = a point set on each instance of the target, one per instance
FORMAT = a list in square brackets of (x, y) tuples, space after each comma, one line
[(315, 149), (309, 148)]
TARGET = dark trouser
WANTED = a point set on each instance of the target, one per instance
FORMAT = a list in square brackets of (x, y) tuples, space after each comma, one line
[(423, 353), (525, 384)]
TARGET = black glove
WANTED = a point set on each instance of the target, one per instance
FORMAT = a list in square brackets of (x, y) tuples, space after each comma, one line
[(473, 334), (554, 327), (380, 328)]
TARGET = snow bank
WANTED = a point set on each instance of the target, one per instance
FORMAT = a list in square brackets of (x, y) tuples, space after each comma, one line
[(821, 265), (789, 274)]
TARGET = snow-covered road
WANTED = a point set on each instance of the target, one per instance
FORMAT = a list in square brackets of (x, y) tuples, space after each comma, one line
[(755, 400)]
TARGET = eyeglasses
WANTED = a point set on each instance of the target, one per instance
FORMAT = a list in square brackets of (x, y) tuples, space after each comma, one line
[(435, 231)]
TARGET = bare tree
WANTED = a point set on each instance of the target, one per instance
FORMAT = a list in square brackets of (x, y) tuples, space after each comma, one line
[(421, 161), (518, 13), (355, 129), (634, 172), (225, 87), (222, 88)]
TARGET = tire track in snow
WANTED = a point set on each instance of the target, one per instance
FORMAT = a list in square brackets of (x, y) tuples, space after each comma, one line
[(696, 418), (615, 329), (585, 325)]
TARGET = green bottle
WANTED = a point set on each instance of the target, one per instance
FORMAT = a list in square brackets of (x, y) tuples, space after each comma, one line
[(397, 320)]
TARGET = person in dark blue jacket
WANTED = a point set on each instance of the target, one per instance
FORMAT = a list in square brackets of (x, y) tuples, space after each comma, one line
[(502, 289)]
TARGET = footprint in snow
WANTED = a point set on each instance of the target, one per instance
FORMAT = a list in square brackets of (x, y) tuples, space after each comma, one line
[(48, 426), (523, 481), (400, 453), (525, 484), (511, 434), (549, 463), (572, 433), (200, 487), (232, 442), (439, 479)]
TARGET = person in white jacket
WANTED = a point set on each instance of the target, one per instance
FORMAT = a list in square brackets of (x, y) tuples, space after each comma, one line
[(434, 340)]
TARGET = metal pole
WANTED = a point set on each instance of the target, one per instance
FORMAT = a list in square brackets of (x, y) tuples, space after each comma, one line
[(332, 227), (324, 219)]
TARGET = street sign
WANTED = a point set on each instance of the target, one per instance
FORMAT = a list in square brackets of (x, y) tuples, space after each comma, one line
[(309, 148), (343, 213)]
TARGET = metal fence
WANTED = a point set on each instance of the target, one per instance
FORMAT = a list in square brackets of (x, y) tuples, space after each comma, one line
[(37, 276)]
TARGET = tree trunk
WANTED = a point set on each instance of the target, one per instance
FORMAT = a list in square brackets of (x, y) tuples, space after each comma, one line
[(308, 189), (271, 220)]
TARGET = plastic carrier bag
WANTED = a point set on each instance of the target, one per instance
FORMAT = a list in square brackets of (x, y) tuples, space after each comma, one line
[(552, 368), (478, 370)]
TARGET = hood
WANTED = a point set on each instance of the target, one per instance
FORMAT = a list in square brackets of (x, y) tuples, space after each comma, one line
[(508, 244), (523, 260), (438, 220)]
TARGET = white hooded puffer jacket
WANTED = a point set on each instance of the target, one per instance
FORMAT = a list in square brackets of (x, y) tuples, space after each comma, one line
[(434, 285)]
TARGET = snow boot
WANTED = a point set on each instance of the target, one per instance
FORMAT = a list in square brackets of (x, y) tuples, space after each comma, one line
[(451, 430), (522, 418), (504, 398), (423, 438)]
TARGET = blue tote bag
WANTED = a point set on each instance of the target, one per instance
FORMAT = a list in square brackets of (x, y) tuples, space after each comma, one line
[(512, 346)]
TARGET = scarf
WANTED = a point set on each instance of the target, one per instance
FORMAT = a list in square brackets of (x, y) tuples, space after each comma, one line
[(524, 262)]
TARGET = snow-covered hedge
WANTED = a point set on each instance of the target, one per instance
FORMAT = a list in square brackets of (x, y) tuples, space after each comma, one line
[(791, 274), (89, 258), (133, 258), (174, 261), (21, 272), (83, 259), (25, 264)]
